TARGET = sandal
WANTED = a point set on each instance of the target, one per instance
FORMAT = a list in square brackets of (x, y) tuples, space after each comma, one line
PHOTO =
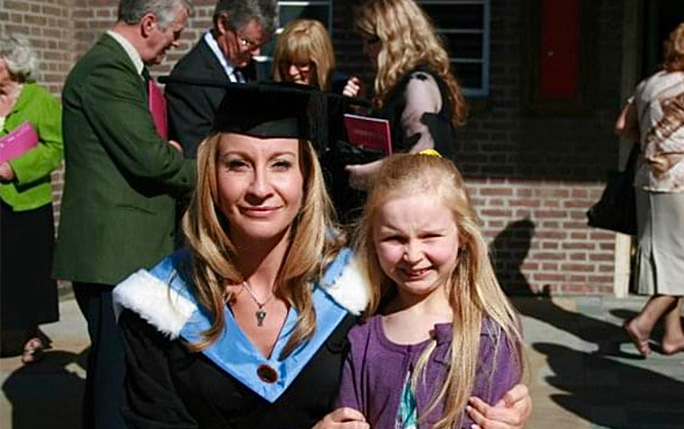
[(33, 350)]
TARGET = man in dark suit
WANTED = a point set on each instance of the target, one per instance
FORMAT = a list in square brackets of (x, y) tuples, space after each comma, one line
[(223, 54), (121, 182)]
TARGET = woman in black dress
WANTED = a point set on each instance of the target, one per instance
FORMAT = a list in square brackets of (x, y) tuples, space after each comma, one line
[(414, 86), (28, 295)]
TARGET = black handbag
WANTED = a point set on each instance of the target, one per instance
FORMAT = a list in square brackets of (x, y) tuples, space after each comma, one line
[(616, 210)]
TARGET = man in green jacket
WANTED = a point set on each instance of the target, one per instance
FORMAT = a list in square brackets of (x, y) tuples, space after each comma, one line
[(121, 182)]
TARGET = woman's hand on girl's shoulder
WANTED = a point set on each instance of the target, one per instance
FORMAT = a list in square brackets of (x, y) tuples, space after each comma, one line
[(511, 412), (343, 418)]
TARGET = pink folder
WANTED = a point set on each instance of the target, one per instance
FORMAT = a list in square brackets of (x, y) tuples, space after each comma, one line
[(157, 105), (368, 133), (18, 141)]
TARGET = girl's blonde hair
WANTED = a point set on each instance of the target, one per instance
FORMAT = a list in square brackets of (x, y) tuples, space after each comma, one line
[(474, 291), (305, 41), (408, 40), (674, 50), (207, 235)]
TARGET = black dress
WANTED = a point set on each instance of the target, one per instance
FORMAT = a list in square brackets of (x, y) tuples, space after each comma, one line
[(438, 124), (28, 295)]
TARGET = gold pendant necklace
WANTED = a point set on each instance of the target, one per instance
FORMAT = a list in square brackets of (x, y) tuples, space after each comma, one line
[(260, 314)]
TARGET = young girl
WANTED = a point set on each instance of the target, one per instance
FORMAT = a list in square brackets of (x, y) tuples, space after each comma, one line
[(444, 329)]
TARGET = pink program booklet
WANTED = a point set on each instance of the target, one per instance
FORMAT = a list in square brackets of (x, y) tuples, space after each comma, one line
[(368, 133), (157, 105), (17, 142)]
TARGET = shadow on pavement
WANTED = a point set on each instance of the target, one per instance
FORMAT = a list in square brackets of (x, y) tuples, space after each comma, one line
[(613, 394), (607, 336), (509, 250), (48, 394), (607, 387)]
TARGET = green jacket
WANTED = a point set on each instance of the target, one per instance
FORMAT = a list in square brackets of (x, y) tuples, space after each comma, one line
[(121, 178), (31, 188)]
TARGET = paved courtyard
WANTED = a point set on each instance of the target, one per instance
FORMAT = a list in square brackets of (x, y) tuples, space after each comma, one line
[(584, 371)]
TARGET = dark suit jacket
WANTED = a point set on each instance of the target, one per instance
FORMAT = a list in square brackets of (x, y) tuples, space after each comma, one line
[(191, 108), (118, 208)]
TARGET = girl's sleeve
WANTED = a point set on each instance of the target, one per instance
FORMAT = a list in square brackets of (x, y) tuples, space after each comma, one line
[(349, 394), (151, 398), (500, 368)]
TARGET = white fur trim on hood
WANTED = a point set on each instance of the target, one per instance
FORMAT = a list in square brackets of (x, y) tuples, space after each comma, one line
[(168, 311), (154, 301), (351, 289)]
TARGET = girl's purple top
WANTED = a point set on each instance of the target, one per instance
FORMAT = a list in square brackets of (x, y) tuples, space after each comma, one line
[(375, 371)]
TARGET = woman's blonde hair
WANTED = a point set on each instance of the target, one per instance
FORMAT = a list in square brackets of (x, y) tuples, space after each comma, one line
[(474, 291), (207, 234), (408, 40), (304, 41), (674, 50)]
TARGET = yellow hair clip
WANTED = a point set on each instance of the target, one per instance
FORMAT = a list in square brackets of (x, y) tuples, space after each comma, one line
[(430, 152)]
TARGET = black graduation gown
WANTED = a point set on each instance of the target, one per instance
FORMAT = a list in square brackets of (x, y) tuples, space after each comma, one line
[(230, 384), (190, 391)]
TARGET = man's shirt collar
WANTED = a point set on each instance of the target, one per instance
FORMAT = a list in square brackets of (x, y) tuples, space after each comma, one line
[(132, 53), (232, 74)]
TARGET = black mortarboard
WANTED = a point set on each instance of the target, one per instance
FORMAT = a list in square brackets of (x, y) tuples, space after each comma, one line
[(266, 110), (277, 109)]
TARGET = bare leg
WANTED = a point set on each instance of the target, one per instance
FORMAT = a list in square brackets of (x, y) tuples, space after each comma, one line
[(673, 338), (639, 328)]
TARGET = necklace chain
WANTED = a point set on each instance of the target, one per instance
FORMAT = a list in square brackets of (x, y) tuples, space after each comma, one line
[(260, 314)]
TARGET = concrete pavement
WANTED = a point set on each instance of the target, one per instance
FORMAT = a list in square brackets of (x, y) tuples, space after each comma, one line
[(585, 374), (48, 394)]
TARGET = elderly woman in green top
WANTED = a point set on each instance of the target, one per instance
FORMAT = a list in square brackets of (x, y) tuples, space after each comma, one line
[(28, 297)]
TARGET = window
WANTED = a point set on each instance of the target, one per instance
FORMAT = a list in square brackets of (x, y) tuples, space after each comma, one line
[(464, 25), (320, 10)]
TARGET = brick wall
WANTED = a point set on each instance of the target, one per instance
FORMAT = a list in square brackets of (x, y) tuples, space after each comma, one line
[(531, 177)]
